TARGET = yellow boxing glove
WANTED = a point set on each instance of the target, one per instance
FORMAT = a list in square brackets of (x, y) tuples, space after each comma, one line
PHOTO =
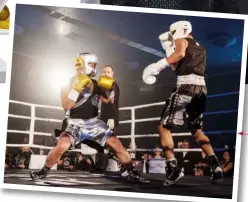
[(80, 82), (106, 82), (4, 18)]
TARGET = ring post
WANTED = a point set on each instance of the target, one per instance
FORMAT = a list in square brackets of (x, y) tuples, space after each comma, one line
[(32, 123)]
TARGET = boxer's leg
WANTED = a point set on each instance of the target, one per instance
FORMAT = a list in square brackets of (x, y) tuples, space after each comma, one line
[(167, 142), (68, 138), (203, 141), (120, 151), (105, 137), (55, 154), (172, 116), (165, 125), (195, 112), (125, 159), (53, 157)]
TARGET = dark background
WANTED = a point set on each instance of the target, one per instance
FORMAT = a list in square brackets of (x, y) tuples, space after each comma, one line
[(223, 6), (46, 44)]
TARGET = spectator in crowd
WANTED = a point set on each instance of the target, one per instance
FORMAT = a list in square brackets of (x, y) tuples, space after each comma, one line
[(22, 158), (145, 163), (179, 144), (42, 152), (158, 153), (186, 159), (150, 156), (25, 140), (69, 161), (7, 159), (202, 165), (199, 171), (228, 164), (85, 163), (60, 164)]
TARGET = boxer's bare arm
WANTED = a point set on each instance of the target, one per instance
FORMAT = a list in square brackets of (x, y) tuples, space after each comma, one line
[(181, 46), (67, 104)]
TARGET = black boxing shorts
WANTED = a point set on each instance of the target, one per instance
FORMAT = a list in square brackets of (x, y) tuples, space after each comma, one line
[(185, 106)]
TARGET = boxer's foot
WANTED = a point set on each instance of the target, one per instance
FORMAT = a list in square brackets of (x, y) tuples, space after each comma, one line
[(216, 170), (35, 175), (173, 173)]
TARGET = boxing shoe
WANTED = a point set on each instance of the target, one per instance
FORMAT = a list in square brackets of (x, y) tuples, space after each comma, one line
[(36, 175), (173, 173), (134, 176), (216, 170), (217, 175)]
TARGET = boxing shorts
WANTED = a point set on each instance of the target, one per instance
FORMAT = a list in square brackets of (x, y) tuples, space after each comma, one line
[(91, 129), (186, 103)]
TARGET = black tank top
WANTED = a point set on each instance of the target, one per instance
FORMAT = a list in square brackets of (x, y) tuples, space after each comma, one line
[(195, 60), (86, 106)]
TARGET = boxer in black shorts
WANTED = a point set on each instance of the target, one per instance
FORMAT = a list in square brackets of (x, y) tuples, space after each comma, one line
[(186, 104)]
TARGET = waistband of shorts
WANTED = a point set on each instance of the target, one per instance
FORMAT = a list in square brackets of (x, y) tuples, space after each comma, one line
[(75, 118), (191, 79)]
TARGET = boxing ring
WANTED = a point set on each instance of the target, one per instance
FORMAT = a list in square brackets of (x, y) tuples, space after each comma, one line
[(189, 185)]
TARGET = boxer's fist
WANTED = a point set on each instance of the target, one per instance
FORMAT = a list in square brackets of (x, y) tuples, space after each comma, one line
[(152, 70), (167, 43), (106, 82), (148, 74), (80, 82)]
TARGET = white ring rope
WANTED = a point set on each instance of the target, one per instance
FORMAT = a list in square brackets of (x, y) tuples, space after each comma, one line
[(78, 150), (132, 136)]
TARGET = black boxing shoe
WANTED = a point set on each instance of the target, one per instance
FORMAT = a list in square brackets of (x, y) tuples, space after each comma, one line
[(216, 169), (173, 173), (134, 176), (36, 175), (217, 175)]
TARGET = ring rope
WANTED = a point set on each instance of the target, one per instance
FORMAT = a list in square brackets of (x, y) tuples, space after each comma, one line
[(132, 136), (130, 150)]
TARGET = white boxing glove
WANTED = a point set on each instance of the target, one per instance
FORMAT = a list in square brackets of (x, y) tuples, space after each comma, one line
[(167, 43), (152, 70), (111, 123)]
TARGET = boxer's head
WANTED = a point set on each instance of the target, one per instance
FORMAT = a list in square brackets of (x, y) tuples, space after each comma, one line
[(86, 63), (108, 71), (180, 29)]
